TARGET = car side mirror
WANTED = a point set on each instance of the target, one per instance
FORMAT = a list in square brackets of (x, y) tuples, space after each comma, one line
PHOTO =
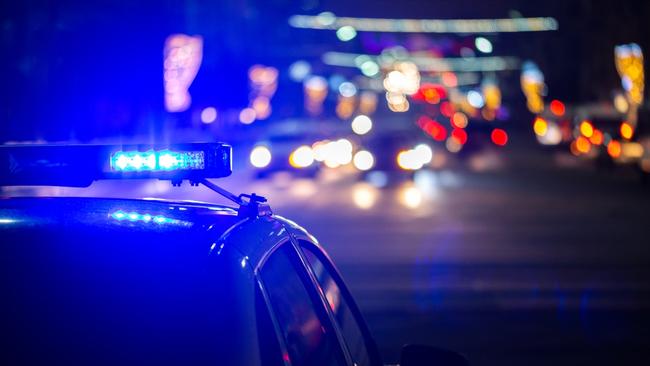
[(421, 355)]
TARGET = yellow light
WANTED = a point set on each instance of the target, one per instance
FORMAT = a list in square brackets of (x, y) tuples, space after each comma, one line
[(626, 130), (540, 127), (586, 129), (363, 160), (302, 157), (620, 103), (260, 157), (411, 197), (364, 195), (632, 150)]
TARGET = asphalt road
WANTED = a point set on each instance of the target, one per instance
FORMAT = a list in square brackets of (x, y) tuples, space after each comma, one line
[(516, 257), (540, 260)]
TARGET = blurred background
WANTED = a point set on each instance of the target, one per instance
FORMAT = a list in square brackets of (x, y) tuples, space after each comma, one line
[(479, 171)]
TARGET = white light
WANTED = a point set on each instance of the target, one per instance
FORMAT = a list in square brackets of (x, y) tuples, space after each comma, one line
[(424, 153), (247, 116), (166, 161), (208, 115), (326, 18), (363, 160), (347, 89), (483, 44), (122, 162), (137, 162), (346, 33), (361, 124), (260, 157), (395, 82), (553, 135), (339, 153), (475, 99), (320, 150), (302, 157), (369, 68), (409, 160), (299, 70)]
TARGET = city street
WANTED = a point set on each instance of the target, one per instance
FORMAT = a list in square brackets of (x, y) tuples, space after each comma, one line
[(534, 265), (478, 172)]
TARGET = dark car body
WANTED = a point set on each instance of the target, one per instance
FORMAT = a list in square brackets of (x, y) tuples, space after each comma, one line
[(113, 281)]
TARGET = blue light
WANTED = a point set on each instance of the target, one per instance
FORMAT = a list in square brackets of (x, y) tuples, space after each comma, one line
[(164, 160), (147, 218), (118, 215)]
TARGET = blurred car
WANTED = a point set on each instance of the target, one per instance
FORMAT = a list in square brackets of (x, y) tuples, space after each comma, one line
[(396, 157), (117, 281), (283, 153)]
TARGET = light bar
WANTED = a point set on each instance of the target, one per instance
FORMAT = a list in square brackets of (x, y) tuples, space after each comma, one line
[(426, 63), (164, 160), (459, 26), (80, 165)]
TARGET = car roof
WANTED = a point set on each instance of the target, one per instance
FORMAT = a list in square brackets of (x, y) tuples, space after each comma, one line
[(116, 214), (198, 222)]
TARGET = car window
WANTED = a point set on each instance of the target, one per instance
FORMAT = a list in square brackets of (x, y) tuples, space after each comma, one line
[(341, 306), (308, 337)]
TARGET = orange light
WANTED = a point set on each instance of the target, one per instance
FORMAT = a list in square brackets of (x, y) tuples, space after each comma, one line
[(499, 137), (583, 145), (431, 95), (597, 137), (586, 129), (459, 120), (557, 108), (540, 126), (614, 149), (626, 130), (449, 79)]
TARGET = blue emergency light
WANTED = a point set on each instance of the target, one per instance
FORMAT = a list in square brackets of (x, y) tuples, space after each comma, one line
[(80, 165)]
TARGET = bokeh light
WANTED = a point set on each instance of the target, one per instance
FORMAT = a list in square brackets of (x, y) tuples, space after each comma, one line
[(499, 137), (208, 115), (361, 124), (363, 160), (302, 157), (260, 156)]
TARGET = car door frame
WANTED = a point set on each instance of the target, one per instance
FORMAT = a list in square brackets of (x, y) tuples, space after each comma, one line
[(314, 291), (369, 341)]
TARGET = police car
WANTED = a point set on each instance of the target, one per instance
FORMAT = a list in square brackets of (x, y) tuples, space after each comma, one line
[(92, 281)]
